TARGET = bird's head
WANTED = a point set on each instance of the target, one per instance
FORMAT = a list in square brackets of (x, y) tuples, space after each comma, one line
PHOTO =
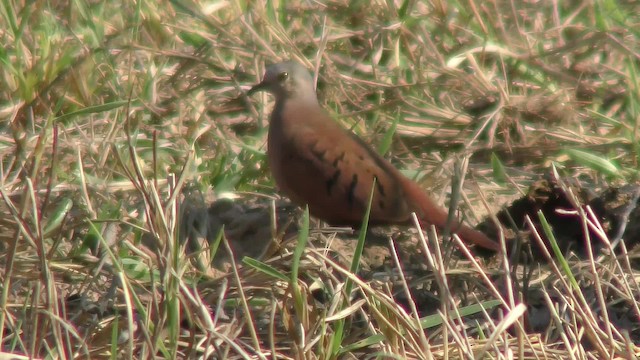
[(286, 80)]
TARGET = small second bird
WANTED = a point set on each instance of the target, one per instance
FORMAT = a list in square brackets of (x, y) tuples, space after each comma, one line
[(315, 161)]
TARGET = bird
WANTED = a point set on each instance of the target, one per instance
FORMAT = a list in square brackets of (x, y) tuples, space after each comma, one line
[(317, 162)]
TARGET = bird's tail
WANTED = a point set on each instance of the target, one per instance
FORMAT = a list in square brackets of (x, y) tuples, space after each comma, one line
[(429, 212)]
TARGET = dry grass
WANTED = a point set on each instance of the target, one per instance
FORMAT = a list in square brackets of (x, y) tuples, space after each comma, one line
[(112, 110)]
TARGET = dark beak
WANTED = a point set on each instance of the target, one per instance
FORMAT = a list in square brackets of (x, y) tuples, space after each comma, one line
[(257, 87)]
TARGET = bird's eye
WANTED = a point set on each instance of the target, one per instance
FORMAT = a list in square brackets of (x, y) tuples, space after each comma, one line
[(283, 76)]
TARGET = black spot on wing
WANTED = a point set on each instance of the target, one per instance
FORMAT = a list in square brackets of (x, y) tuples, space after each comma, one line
[(319, 154), (338, 160), (379, 186), (377, 158), (352, 190), (332, 182)]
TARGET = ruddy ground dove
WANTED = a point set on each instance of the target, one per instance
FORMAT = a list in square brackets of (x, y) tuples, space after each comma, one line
[(315, 161)]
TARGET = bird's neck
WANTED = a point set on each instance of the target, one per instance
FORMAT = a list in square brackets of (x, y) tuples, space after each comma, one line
[(284, 103)]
